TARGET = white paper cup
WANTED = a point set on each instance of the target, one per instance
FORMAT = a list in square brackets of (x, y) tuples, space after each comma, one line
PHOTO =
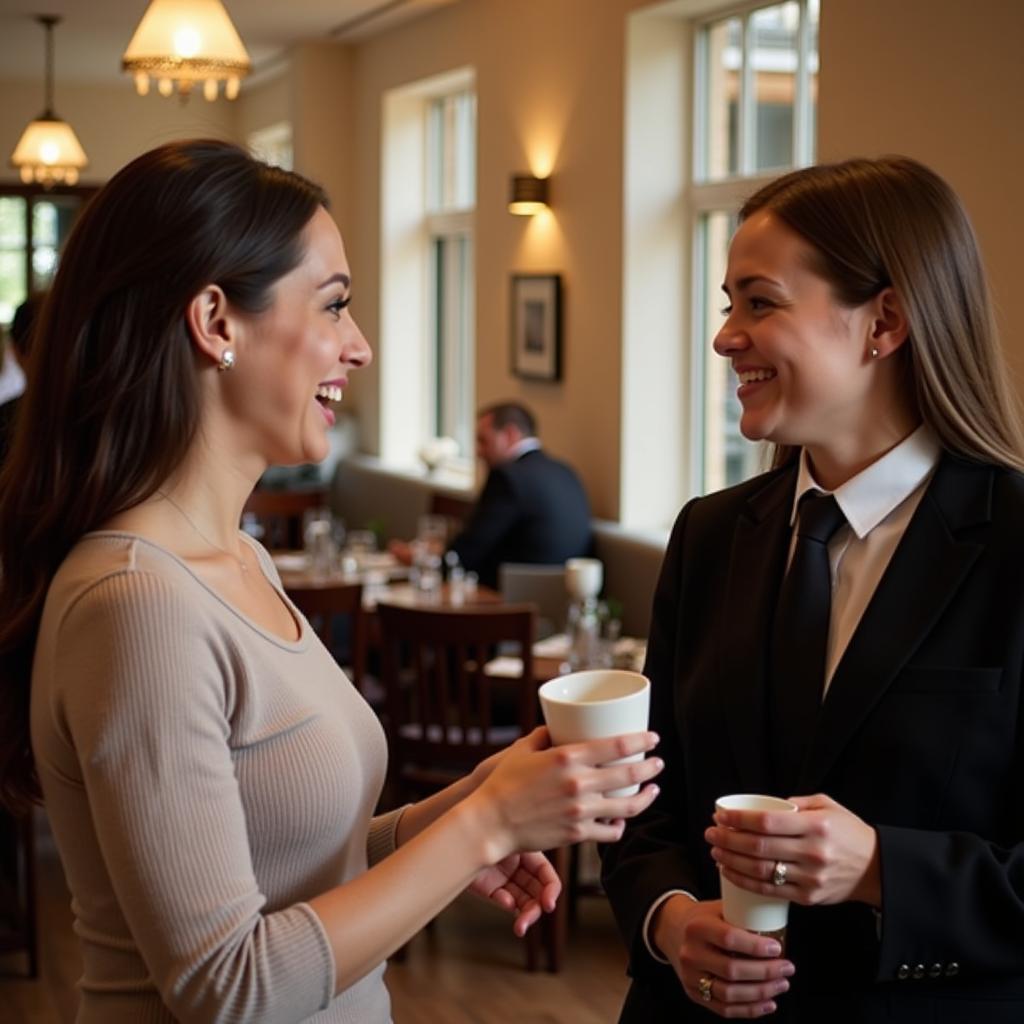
[(766, 915), (592, 705), (583, 577)]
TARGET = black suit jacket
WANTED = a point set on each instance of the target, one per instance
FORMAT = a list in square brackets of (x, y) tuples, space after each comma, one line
[(920, 735), (531, 509)]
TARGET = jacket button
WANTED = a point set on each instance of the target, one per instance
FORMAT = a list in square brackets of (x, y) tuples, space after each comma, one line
[(952, 969), (903, 972), (918, 971), (935, 971)]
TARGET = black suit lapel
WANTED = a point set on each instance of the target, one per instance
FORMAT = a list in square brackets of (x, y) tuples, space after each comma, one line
[(928, 566), (757, 559)]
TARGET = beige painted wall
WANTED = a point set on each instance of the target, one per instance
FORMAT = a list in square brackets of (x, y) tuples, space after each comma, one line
[(929, 78), (550, 100), (925, 77), (941, 81), (264, 104), (320, 95), (113, 124)]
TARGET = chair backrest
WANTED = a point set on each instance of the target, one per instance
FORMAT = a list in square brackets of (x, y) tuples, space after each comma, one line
[(321, 604), (279, 513), (539, 585), (454, 508), (440, 700)]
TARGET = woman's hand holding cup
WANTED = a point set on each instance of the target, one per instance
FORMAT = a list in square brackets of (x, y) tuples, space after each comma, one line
[(538, 797), (730, 971)]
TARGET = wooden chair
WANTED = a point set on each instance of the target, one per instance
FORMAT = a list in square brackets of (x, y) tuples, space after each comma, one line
[(19, 883), (455, 509), (320, 604), (279, 513), (440, 709)]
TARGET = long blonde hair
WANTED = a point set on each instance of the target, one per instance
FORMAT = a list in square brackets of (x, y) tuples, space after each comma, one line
[(893, 222)]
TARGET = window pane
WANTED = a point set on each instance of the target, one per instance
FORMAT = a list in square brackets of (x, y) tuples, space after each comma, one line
[(453, 352), (451, 153), (774, 52), (813, 9), (12, 282), (44, 265), (12, 222), (728, 457), (44, 223), (722, 61), (464, 150)]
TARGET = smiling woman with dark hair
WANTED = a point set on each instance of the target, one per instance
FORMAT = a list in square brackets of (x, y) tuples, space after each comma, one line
[(209, 773)]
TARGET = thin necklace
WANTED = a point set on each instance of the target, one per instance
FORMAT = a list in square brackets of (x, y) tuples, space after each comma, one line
[(192, 523)]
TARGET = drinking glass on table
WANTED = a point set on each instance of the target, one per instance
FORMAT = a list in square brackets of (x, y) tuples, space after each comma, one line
[(432, 533), (319, 539)]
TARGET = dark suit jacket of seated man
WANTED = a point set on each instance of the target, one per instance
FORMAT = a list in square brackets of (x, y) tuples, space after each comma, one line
[(532, 507)]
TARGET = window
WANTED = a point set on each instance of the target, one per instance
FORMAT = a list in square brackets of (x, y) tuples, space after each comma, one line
[(451, 196), (33, 226), (426, 351), (754, 105), (720, 99)]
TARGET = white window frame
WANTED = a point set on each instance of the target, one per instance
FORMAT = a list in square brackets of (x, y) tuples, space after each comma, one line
[(409, 314), (664, 346), (726, 195), (449, 224)]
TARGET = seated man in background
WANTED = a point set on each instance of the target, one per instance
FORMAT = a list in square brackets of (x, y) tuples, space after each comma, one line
[(532, 507)]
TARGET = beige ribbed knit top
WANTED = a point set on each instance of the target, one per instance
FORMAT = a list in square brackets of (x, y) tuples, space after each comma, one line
[(203, 778)]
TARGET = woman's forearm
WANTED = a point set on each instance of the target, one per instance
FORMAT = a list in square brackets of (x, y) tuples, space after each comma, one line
[(370, 917), (418, 816)]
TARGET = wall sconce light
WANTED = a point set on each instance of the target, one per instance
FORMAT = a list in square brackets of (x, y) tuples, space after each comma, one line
[(527, 195)]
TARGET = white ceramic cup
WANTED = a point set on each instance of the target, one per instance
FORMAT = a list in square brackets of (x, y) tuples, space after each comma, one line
[(591, 705), (583, 578), (763, 914)]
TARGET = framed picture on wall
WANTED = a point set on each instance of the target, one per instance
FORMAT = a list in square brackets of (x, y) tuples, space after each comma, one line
[(537, 326)]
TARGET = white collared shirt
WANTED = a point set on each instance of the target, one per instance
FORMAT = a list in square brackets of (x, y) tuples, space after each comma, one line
[(520, 448), (878, 503)]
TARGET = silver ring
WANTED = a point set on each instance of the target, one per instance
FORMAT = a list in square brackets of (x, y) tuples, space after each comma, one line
[(779, 873), (704, 984)]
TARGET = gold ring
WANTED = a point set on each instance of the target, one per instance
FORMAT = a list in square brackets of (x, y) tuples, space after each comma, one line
[(704, 984), (779, 873)]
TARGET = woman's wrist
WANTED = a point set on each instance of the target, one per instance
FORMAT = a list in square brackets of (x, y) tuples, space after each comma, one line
[(664, 920), (484, 831), (869, 890)]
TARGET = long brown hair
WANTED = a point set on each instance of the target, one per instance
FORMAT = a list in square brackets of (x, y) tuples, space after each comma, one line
[(893, 222), (112, 402)]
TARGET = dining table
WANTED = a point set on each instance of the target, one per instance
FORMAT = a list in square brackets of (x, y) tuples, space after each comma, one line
[(383, 578)]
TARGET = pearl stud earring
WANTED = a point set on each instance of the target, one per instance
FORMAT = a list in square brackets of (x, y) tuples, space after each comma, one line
[(227, 360), (874, 353)]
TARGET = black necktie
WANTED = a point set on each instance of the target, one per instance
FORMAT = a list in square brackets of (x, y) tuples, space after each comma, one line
[(800, 637)]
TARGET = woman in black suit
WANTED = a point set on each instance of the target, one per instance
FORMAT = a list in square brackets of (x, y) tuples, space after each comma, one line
[(846, 630)]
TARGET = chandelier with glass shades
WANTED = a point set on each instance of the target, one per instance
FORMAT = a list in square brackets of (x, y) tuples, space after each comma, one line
[(48, 151), (184, 42)]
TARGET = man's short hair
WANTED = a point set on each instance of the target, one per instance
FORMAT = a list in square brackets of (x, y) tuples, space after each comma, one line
[(510, 414)]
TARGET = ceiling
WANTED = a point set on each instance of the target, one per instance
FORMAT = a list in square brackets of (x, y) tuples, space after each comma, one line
[(94, 33)]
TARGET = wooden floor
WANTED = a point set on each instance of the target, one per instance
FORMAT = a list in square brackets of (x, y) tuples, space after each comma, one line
[(469, 970)]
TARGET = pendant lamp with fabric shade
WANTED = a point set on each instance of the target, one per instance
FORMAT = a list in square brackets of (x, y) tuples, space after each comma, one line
[(184, 42), (48, 151)]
